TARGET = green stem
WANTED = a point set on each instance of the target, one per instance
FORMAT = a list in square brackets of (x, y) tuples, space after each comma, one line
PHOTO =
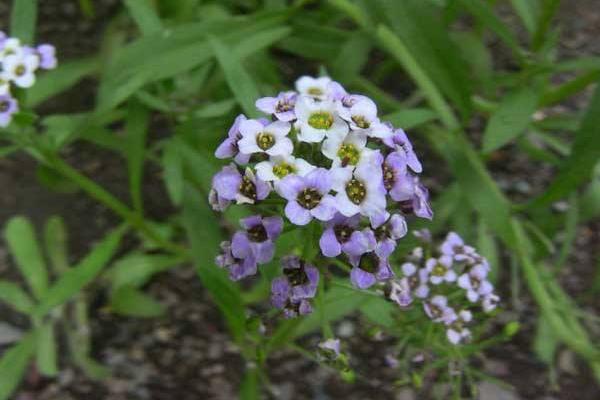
[(101, 195)]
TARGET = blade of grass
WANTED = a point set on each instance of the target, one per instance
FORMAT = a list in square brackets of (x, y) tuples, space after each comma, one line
[(136, 128), (23, 18), (144, 15)]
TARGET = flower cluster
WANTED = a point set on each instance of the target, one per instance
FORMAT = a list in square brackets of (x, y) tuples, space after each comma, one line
[(18, 65), (321, 154), (457, 268)]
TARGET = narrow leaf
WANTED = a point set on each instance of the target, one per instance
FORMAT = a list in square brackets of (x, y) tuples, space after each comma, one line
[(46, 350), (132, 302), (22, 20), (144, 16), (136, 131), (23, 245), (55, 241), (13, 364), (16, 297)]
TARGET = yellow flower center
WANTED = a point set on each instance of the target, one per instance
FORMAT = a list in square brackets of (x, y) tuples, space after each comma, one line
[(321, 120)]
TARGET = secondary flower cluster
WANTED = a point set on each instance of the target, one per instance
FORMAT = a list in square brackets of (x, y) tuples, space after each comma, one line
[(458, 268), (323, 154), (18, 65)]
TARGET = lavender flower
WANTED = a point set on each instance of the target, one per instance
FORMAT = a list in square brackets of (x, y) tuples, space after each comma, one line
[(490, 302), (21, 69), (307, 197), (341, 234), (259, 234), (229, 148), (388, 232), (402, 145), (270, 139), (230, 185), (455, 247), (475, 284), (438, 310), (282, 106), (291, 291), (8, 106), (456, 330), (238, 260), (47, 56), (330, 349), (368, 269)]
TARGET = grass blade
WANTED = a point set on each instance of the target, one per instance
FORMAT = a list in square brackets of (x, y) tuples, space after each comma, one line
[(23, 245), (135, 148), (144, 16), (23, 19)]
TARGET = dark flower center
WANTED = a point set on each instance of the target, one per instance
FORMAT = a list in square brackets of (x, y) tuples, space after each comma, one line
[(382, 232), (389, 177), (435, 311), (343, 233), (4, 106), (320, 120), (361, 121), (284, 106), (257, 233), (413, 281), (296, 276), (248, 188), (369, 262), (265, 140), (309, 198), (20, 70), (349, 154), (356, 191)]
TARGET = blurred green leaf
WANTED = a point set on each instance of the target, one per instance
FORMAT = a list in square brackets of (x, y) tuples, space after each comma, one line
[(136, 269), (54, 181), (528, 12), (510, 119), (585, 154), (144, 15), (570, 231), (240, 82), (545, 342), (250, 388), (204, 234), (173, 172), (136, 128), (75, 279), (23, 18), (55, 244), (352, 57), (132, 302), (410, 117), (13, 364), (46, 350), (15, 297), (66, 75), (23, 245)]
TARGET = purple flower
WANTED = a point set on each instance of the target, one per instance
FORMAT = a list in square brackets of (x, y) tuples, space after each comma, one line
[(456, 331), (490, 302), (281, 106), (47, 55), (8, 106), (369, 268), (455, 247), (401, 144), (307, 196), (438, 310), (230, 185), (440, 270), (238, 260), (475, 284), (400, 292), (291, 291), (341, 234), (259, 234), (388, 232), (417, 279), (396, 180), (229, 148), (330, 349)]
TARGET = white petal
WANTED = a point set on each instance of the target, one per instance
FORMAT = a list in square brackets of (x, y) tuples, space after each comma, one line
[(264, 170)]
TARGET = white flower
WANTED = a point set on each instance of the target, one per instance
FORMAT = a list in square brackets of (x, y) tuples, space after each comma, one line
[(360, 191), (361, 114), (20, 69), (270, 139), (456, 331), (317, 88), (440, 270), (4, 83), (346, 149), (317, 119), (278, 167), (11, 46)]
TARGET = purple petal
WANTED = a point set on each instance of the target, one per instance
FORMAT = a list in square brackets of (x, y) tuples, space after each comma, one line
[(273, 226), (297, 214), (263, 251), (227, 182), (290, 186), (362, 279), (326, 209), (330, 247)]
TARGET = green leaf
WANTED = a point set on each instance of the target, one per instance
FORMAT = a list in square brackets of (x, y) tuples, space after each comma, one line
[(144, 16), (65, 76), (204, 234), (585, 153), (250, 387), (22, 20), (16, 297), (13, 364), (136, 269), (55, 243), (46, 350), (135, 150), (134, 303), (240, 82), (411, 117), (352, 57), (484, 12), (23, 245), (75, 279), (173, 172), (527, 11), (510, 119), (545, 342), (418, 25)]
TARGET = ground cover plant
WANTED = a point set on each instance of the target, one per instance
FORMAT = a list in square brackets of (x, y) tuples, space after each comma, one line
[(323, 161)]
